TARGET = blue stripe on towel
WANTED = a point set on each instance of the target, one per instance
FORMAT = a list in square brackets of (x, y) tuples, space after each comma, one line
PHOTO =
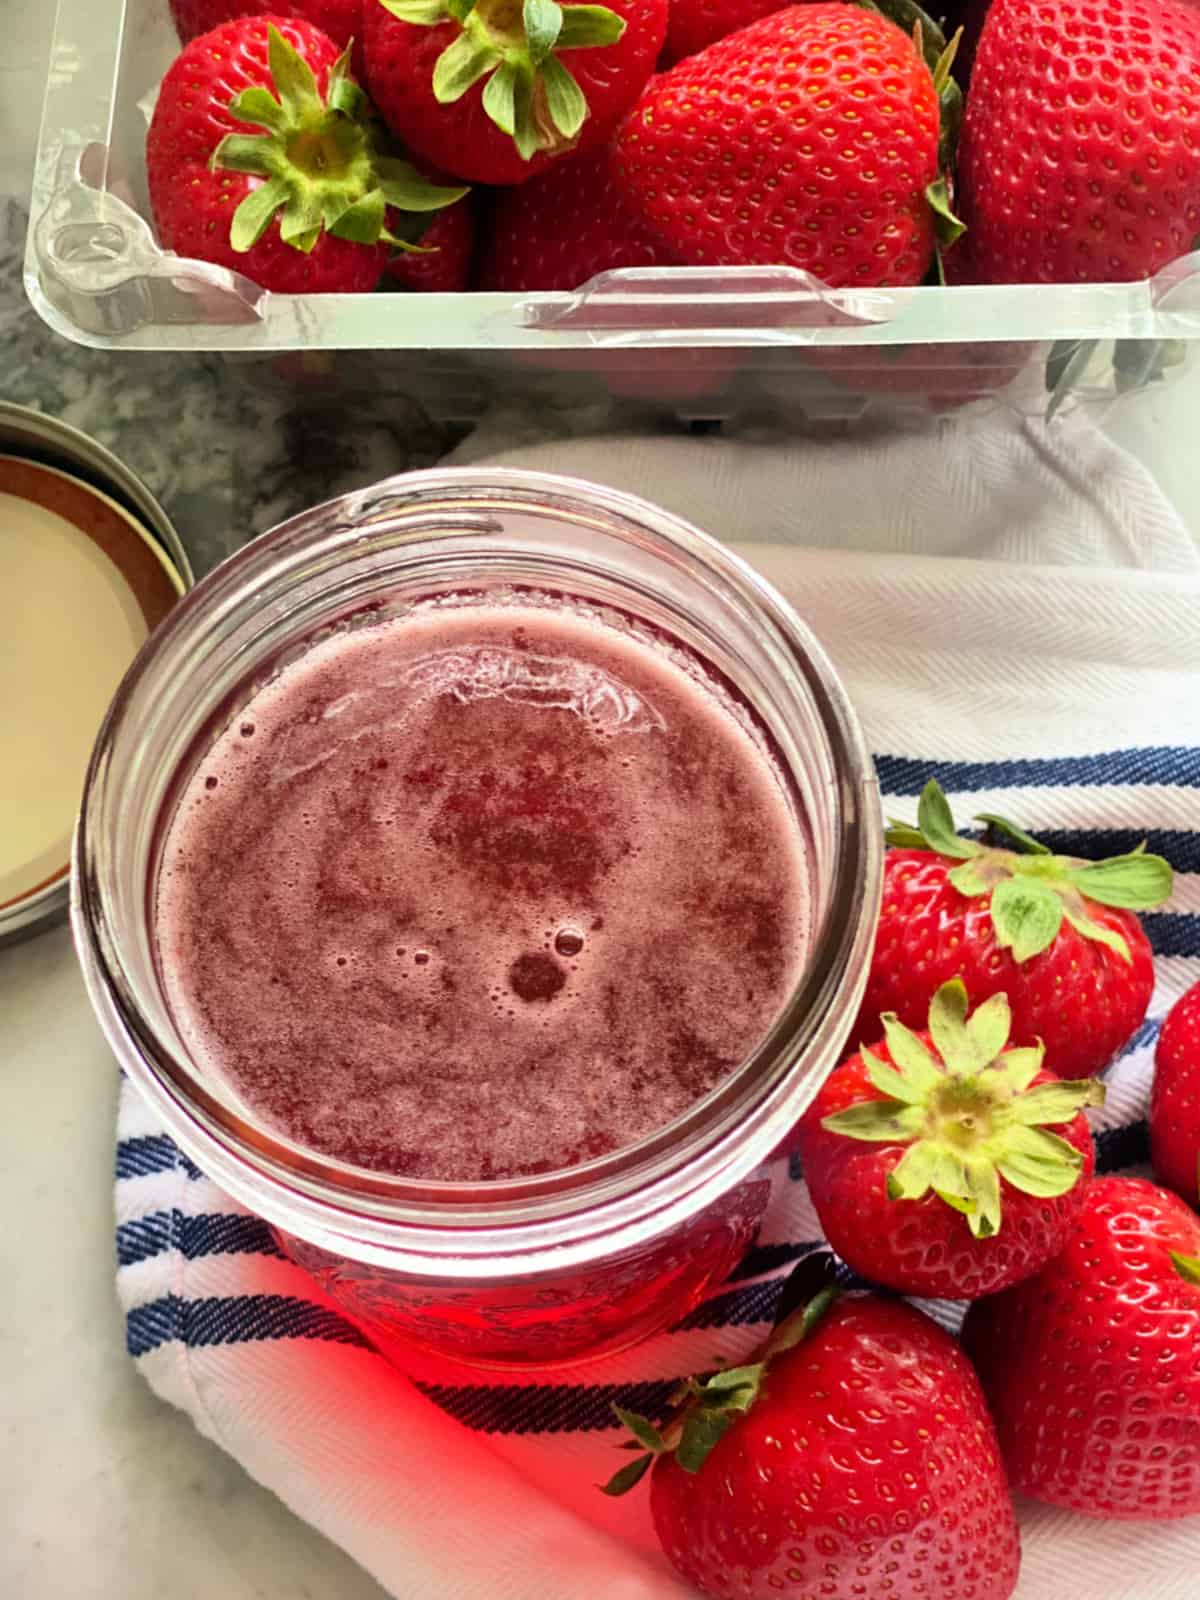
[(1118, 1148), (1180, 848), (549, 1408), (1175, 765), (765, 1258), (193, 1237), (736, 1307), (139, 1158), (1172, 933), (233, 1319)]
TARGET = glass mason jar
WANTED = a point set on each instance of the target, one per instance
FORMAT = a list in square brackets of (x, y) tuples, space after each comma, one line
[(542, 1269)]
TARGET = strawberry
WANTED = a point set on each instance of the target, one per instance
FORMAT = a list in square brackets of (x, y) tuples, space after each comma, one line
[(1175, 1099), (563, 228), (492, 91), (1058, 936), (442, 262), (1092, 1369), (340, 19), (1080, 153), (930, 377), (777, 145), (695, 24), (854, 1459), (262, 157), (928, 1160)]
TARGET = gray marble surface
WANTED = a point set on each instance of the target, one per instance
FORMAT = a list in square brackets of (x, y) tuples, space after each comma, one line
[(227, 454)]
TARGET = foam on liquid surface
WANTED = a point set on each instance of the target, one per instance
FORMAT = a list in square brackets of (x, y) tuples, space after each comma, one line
[(480, 892)]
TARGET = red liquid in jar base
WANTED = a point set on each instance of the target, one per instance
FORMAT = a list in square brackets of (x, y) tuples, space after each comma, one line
[(482, 891)]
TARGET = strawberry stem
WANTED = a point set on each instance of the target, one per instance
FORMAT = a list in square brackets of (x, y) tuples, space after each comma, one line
[(708, 1408)]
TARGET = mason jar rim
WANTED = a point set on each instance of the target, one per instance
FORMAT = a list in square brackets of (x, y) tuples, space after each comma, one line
[(668, 1175)]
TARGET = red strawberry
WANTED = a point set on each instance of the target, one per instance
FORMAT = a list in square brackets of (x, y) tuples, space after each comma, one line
[(933, 377), (492, 92), (563, 228), (777, 145), (250, 121), (1058, 936), (928, 1159), (695, 24), (340, 19), (442, 264), (1080, 153), (1175, 1099), (1092, 1369), (855, 1459)]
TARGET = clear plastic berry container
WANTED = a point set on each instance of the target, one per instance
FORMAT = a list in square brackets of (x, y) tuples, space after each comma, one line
[(711, 344), (540, 1269)]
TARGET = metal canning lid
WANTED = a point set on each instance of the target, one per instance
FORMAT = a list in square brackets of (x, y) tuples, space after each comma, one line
[(25, 432), (83, 582)]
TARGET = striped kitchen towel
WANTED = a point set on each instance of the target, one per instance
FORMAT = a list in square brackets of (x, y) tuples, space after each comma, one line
[(1066, 696)]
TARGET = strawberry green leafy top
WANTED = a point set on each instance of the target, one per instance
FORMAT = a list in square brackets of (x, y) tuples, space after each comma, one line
[(1031, 891), (968, 1111), (322, 160), (529, 94)]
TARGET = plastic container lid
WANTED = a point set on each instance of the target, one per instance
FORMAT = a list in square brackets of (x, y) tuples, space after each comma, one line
[(82, 584)]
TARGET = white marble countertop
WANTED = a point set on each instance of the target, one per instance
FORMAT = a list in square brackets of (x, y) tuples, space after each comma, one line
[(109, 1495)]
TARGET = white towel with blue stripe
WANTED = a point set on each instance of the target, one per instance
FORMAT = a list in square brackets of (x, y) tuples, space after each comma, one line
[(1064, 693)]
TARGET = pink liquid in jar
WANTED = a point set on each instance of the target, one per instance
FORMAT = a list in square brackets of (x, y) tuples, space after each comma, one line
[(481, 893)]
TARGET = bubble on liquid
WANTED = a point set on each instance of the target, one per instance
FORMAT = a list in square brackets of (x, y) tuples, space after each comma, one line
[(421, 957), (247, 730), (210, 783), (568, 941), (535, 977)]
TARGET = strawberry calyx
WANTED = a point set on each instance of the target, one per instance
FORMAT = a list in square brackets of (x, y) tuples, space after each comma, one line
[(1188, 1267), (968, 1111), (1030, 892), (529, 94), (321, 159), (705, 1409)]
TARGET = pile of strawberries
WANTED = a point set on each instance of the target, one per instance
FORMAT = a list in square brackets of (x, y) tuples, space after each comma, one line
[(866, 1452), (514, 145)]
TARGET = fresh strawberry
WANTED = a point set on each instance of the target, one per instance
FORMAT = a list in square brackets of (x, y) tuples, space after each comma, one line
[(493, 91), (855, 1459), (441, 264), (262, 157), (928, 1158), (563, 228), (1092, 1369), (1080, 153), (930, 377), (695, 24), (340, 19), (778, 146), (1058, 936), (1175, 1099)]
